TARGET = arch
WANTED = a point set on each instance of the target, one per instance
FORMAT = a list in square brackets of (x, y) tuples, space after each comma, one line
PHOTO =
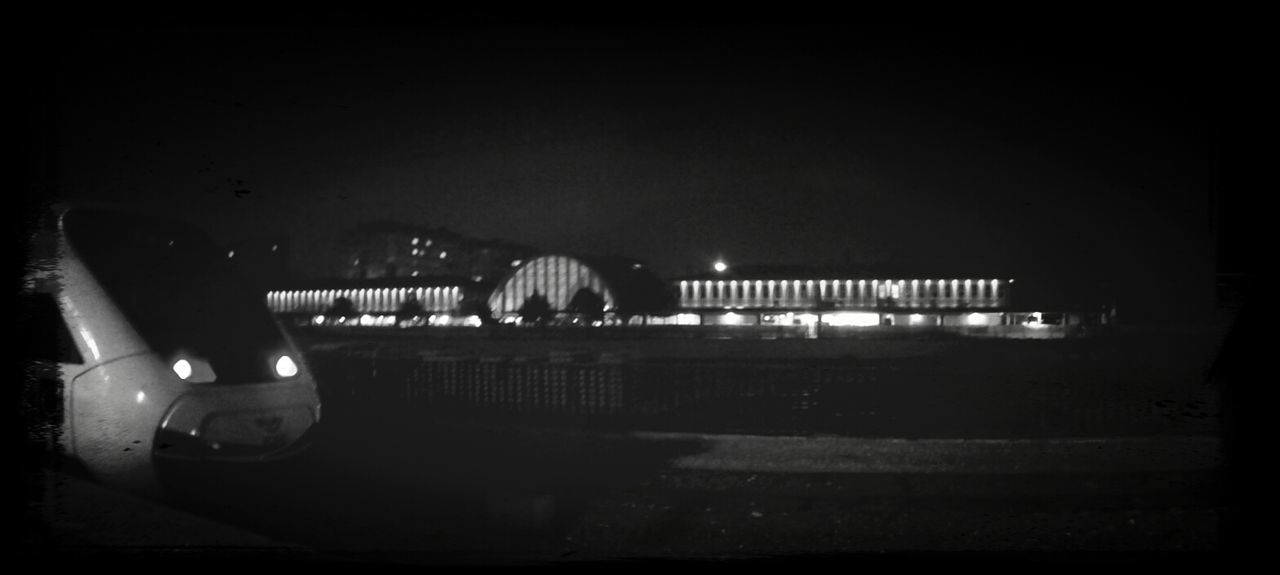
[(556, 277)]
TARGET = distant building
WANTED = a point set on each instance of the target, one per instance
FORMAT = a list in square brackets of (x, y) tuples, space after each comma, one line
[(265, 259), (863, 297), (573, 287), (394, 250)]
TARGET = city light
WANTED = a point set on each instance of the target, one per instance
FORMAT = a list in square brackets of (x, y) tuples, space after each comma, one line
[(976, 319), (915, 319), (231, 254), (285, 367), (720, 266), (851, 318)]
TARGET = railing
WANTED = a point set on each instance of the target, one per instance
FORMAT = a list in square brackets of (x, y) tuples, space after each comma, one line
[(824, 396)]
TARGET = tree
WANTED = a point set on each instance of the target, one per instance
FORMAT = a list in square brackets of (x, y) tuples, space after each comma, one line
[(588, 304), (342, 307), (479, 307), (536, 309), (410, 309)]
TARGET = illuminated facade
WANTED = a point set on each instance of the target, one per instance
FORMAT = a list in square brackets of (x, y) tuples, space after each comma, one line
[(833, 299), (620, 286), (854, 294), (374, 302)]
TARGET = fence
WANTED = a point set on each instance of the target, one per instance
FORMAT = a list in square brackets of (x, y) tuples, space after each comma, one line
[(611, 391)]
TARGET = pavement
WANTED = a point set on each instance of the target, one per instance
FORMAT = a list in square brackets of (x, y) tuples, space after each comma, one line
[(78, 520)]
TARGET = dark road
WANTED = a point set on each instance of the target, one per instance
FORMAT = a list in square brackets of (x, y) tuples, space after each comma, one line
[(426, 493)]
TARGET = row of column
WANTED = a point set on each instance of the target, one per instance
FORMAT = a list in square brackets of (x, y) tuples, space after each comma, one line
[(369, 300), (802, 293)]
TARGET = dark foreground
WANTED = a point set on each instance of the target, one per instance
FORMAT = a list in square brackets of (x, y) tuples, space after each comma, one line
[(425, 493)]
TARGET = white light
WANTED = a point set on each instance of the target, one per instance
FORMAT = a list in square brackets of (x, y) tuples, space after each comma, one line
[(443, 255), (182, 367), (636, 266), (516, 263), (141, 397), (231, 254), (415, 241), (976, 319), (915, 319), (318, 320), (732, 319), (415, 273), (807, 318), (416, 251), (851, 318), (285, 367), (720, 266), (275, 247), (688, 319), (472, 321), (366, 319)]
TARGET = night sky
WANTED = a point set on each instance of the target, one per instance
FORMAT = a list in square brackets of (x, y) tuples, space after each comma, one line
[(1072, 154)]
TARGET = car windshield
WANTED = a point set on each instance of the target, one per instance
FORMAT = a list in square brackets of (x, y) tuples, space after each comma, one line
[(180, 291)]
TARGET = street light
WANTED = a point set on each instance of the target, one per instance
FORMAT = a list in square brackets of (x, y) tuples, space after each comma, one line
[(720, 266)]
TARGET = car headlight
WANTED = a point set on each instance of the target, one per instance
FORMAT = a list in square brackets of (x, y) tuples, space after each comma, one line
[(285, 366)]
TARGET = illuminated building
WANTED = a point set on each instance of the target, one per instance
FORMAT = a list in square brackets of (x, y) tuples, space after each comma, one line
[(620, 288)]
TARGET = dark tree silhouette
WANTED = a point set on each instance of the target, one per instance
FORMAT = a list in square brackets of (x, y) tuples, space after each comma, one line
[(588, 304), (342, 307), (536, 310), (479, 307), (410, 309)]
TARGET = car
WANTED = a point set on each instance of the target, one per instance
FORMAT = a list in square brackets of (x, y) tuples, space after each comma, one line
[(145, 348)]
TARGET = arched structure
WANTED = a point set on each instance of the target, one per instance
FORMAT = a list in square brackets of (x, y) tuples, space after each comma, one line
[(625, 286)]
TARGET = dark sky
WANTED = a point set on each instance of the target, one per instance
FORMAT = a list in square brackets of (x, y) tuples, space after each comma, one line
[(1080, 152)]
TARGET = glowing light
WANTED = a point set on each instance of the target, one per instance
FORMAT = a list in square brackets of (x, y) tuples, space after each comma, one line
[(976, 319), (231, 254), (275, 247), (285, 367), (415, 273), (732, 319), (807, 318), (516, 263), (915, 319), (720, 266), (472, 321), (444, 255), (318, 320), (851, 318), (416, 251), (415, 241), (141, 397), (182, 367), (636, 266), (688, 319), (366, 319)]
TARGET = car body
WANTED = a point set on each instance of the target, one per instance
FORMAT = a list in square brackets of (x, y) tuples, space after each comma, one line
[(145, 347)]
